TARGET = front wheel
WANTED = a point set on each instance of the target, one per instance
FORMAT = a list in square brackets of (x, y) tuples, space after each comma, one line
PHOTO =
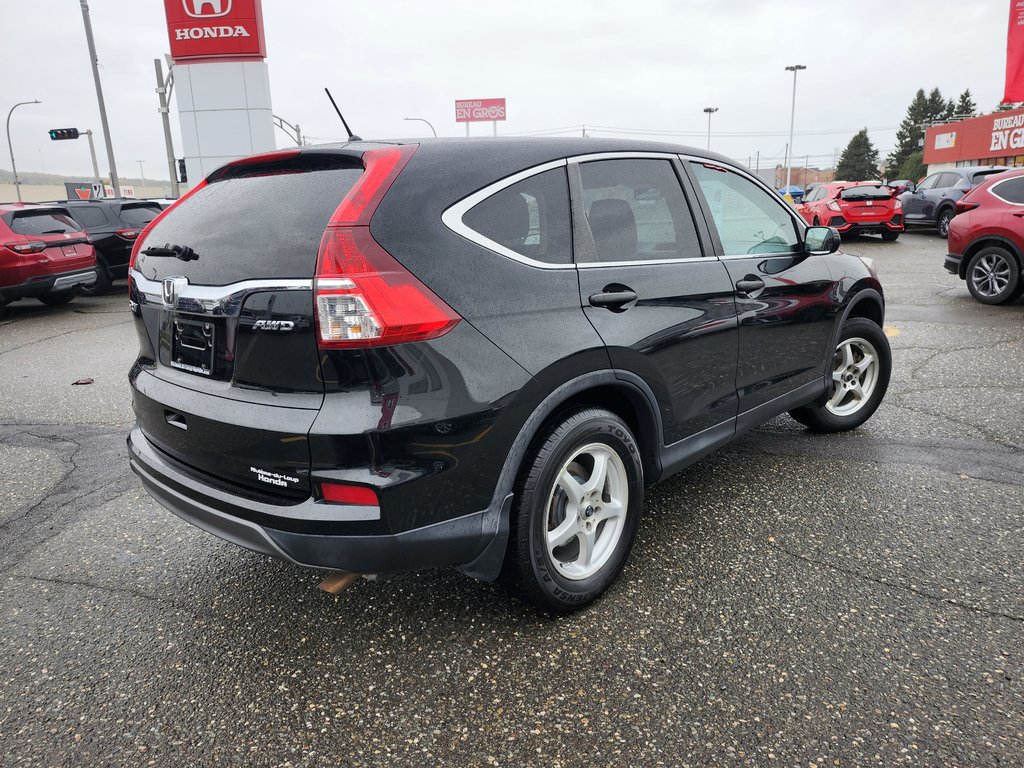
[(993, 276), (578, 501), (942, 223), (861, 367)]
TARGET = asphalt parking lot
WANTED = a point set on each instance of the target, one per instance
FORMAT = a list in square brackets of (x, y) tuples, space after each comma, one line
[(793, 600)]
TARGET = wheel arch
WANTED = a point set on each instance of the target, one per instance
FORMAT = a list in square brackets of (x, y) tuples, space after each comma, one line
[(984, 242)]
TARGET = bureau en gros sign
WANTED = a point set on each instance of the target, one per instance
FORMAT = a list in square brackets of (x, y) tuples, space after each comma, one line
[(1007, 133)]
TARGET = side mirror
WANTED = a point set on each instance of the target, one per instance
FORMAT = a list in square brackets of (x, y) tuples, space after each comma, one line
[(821, 241), (911, 187)]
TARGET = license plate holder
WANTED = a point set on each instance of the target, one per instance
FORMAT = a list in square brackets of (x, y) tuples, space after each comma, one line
[(193, 345)]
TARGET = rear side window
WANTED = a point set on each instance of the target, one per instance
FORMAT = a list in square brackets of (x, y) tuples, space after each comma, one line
[(89, 217), (257, 226), (748, 219), (139, 215), (1011, 190), (637, 212), (530, 217), (42, 223)]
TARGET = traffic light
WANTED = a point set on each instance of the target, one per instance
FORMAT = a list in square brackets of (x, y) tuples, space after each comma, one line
[(182, 175), (61, 134)]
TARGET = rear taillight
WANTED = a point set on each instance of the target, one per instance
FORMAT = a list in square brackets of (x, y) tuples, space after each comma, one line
[(129, 234), (363, 296), (31, 246), (898, 204), (141, 237), (962, 206), (833, 205)]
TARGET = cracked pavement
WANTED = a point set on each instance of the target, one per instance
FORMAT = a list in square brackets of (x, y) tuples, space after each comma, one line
[(792, 600)]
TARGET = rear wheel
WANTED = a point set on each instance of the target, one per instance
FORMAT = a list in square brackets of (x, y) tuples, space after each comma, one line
[(578, 501), (861, 367), (102, 284), (57, 297), (890, 237), (817, 222), (942, 222), (993, 276)]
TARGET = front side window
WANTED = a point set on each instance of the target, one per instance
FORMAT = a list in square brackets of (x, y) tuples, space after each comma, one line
[(748, 219), (531, 217), (637, 212), (929, 182)]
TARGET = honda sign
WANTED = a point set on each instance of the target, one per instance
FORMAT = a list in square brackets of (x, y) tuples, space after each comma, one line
[(215, 29)]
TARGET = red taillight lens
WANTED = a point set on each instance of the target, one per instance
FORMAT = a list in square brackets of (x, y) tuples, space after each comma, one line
[(129, 234), (364, 297), (833, 205), (962, 206), (32, 246), (382, 168), (339, 493), (146, 230)]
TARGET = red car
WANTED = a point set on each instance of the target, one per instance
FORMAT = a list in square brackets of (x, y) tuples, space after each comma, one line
[(855, 208), (986, 239), (43, 254)]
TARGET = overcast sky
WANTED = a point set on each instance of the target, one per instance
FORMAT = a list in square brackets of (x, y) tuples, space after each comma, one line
[(646, 64)]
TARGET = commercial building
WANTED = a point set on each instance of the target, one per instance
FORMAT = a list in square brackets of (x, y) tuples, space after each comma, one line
[(996, 139)]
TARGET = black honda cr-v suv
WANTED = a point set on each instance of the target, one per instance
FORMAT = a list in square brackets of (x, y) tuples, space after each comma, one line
[(379, 357)]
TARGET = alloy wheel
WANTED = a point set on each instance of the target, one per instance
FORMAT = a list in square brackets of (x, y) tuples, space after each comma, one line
[(854, 376), (991, 275), (586, 511)]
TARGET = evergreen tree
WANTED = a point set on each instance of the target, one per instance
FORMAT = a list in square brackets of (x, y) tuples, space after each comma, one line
[(859, 161), (913, 167), (936, 106), (911, 131), (950, 110), (966, 106)]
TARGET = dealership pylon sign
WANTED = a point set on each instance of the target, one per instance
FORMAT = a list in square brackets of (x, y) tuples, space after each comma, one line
[(480, 111), (1015, 53), (215, 29)]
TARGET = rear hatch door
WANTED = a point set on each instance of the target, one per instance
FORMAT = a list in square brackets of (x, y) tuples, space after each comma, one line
[(870, 203), (66, 246), (228, 380)]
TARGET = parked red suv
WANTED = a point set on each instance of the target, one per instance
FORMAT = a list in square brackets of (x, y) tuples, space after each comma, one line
[(43, 254), (986, 239), (855, 208)]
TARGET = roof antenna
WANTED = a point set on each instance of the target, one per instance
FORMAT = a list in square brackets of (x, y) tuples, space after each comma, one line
[(351, 136)]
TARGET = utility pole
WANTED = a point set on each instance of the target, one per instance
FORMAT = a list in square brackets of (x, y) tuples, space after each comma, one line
[(165, 116), (99, 98), (792, 119), (710, 111), (10, 147), (92, 154), (757, 170)]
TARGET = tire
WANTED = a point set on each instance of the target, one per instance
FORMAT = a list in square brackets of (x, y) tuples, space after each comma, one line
[(890, 237), (817, 222), (942, 223), (993, 276), (857, 387), (598, 534), (57, 298), (102, 284)]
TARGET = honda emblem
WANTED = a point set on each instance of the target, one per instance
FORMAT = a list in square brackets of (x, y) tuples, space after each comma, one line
[(172, 288), (207, 9)]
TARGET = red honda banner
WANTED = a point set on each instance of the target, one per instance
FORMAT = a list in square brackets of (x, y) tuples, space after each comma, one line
[(1015, 53)]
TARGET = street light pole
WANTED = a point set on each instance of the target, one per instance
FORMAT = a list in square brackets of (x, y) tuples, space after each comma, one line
[(420, 119), (99, 98), (710, 111), (792, 119), (163, 91), (10, 147), (142, 173)]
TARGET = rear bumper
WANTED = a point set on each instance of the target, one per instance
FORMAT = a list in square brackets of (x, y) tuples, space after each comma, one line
[(458, 542), (868, 227), (952, 264), (44, 284)]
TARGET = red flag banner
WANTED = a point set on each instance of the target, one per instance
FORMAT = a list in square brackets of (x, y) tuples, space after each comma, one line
[(1015, 53)]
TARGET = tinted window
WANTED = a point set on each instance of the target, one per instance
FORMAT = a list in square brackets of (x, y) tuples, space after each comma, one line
[(980, 176), (254, 226), (139, 215), (749, 219), (637, 212), (530, 217), (948, 180), (929, 182), (89, 217), (1011, 189), (42, 223), (866, 192)]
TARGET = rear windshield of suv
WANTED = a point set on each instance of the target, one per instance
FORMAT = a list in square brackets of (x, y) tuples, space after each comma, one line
[(41, 223), (139, 215), (866, 192), (256, 226)]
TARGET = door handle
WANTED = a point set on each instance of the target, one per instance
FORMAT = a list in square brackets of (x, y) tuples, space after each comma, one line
[(1019, 214), (614, 297), (749, 285)]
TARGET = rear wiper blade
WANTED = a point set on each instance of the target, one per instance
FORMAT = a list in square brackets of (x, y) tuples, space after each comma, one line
[(54, 232), (182, 252)]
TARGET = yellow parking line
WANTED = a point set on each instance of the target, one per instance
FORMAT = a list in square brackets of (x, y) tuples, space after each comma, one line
[(891, 330)]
